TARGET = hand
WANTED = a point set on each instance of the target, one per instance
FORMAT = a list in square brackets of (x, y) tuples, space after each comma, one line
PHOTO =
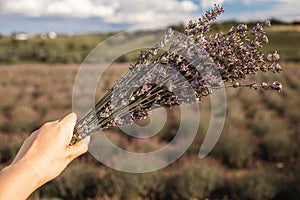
[(42, 157), (47, 150)]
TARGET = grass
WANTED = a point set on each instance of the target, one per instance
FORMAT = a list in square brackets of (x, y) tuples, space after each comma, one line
[(287, 44)]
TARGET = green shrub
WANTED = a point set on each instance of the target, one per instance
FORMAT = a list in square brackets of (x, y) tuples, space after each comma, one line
[(259, 128), (234, 150), (5, 152), (291, 189), (23, 118), (49, 190), (274, 102), (277, 147), (264, 120), (8, 150), (194, 181), (77, 182), (256, 185), (290, 109), (169, 131), (119, 185)]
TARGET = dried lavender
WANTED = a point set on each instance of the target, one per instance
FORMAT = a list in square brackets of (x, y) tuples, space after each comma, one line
[(192, 67)]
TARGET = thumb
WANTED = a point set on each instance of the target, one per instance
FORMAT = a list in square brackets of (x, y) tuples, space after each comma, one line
[(79, 148), (68, 124)]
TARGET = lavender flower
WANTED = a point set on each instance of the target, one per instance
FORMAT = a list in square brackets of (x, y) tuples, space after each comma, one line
[(194, 66)]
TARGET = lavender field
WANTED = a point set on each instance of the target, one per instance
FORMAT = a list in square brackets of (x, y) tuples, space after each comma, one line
[(258, 149)]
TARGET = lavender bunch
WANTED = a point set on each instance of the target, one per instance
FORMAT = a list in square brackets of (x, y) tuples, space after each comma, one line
[(193, 66)]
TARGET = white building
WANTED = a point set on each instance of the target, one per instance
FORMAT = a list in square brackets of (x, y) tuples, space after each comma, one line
[(20, 36)]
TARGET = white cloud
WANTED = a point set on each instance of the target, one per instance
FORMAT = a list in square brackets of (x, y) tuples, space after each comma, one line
[(206, 4), (65, 8), (31, 7), (81, 8), (145, 12)]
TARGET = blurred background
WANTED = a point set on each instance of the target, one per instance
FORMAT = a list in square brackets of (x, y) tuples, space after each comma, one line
[(43, 43)]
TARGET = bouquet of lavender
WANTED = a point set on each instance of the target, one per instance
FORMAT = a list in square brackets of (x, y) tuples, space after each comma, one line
[(193, 66)]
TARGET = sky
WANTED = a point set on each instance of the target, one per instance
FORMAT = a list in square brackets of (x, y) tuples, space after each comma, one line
[(82, 16)]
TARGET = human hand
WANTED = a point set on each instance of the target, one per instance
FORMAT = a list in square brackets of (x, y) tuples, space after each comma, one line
[(47, 151)]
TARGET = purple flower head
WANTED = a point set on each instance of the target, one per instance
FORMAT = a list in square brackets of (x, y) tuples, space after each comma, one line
[(175, 77), (170, 30)]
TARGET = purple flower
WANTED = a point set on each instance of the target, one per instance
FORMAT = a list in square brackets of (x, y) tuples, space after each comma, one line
[(237, 54), (175, 77)]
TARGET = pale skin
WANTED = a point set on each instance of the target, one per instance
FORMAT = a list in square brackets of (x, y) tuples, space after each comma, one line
[(42, 157)]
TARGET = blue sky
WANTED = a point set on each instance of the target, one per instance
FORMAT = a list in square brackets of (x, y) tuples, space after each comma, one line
[(80, 16)]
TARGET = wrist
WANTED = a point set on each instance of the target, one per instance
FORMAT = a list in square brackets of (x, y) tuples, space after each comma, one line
[(28, 172), (18, 180)]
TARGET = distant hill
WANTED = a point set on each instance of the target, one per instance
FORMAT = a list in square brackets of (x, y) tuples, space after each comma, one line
[(284, 37)]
